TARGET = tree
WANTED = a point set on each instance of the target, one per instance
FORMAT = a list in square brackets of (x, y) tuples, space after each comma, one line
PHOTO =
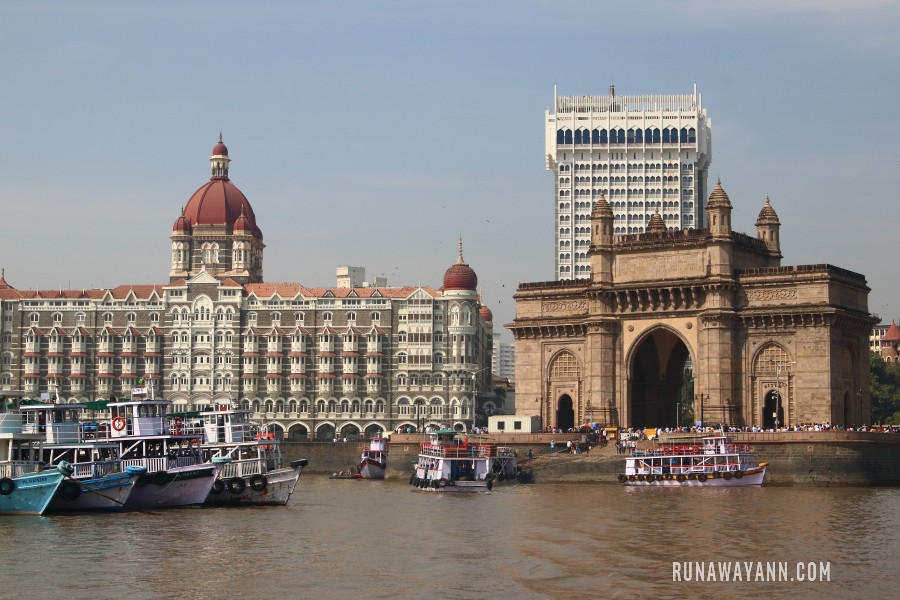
[(885, 389)]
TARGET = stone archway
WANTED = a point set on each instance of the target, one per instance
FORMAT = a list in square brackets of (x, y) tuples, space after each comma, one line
[(658, 380), (565, 413)]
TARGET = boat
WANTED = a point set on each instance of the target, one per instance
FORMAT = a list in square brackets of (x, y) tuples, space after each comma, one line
[(373, 461), (26, 488), (716, 462), (450, 462), (98, 480), (175, 472), (248, 459)]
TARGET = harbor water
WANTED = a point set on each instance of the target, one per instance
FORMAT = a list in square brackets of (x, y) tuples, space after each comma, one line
[(384, 539)]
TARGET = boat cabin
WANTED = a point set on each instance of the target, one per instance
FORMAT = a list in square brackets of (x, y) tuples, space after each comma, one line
[(227, 426), (139, 418), (59, 423)]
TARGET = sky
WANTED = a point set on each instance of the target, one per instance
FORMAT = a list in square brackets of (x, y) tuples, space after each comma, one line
[(376, 134)]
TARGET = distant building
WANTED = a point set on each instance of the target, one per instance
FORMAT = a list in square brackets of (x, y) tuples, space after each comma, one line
[(878, 332), (350, 277), (889, 343), (645, 154), (503, 361)]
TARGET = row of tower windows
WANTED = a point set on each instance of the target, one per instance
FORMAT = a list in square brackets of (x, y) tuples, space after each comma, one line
[(673, 179), (613, 192), (617, 135), (633, 167)]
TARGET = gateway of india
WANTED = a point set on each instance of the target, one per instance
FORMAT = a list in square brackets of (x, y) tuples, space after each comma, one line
[(676, 327)]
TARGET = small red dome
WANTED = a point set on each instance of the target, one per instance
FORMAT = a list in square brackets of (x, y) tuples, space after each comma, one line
[(486, 314), (220, 149), (243, 224), (182, 225)]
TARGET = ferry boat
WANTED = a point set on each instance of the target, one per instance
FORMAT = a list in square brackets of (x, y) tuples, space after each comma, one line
[(449, 462), (373, 461), (176, 475), (248, 457), (716, 462), (26, 488), (98, 481)]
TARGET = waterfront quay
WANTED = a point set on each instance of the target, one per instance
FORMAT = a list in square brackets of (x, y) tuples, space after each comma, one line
[(826, 458)]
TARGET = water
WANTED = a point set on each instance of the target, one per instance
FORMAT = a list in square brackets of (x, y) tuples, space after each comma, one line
[(361, 539)]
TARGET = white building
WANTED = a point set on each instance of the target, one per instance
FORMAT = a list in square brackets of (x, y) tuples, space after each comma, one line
[(646, 154), (503, 360)]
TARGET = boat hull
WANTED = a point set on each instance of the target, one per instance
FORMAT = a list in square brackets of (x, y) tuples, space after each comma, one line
[(32, 493), (101, 493), (459, 487), (751, 477), (275, 489), (372, 469), (178, 486)]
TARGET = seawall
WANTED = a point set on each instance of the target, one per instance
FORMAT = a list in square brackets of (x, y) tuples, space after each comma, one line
[(795, 458)]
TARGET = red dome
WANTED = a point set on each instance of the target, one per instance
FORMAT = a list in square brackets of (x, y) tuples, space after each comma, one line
[(182, 225), (220, 202), (243, 224), (460, 277), (486, 314), (220, 149)]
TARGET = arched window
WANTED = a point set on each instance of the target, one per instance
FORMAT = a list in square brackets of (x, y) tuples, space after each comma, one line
[(603, 137)]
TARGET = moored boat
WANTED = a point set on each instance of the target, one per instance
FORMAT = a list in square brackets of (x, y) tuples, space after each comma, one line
[(373, 461), (175, 473), (98, 481), (26, 488), (449, 462), (248, 458), (716, 462)]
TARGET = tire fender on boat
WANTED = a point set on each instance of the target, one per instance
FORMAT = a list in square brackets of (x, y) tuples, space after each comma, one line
[(7, 486), (726, 476), (702, 477), (236, 485), (738, 474), (218, 486), (622, 479), (490, 485), (259, 482), (442, 482), (69, 490)]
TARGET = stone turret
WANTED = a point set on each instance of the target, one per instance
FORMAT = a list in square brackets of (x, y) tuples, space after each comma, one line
[(718, 213), (768, 227), (601, 241)]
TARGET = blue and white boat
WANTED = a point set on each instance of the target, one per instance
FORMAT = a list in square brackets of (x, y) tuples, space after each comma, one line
[(99, 481), (25, 487)]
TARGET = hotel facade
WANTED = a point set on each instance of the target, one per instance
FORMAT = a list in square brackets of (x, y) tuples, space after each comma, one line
[(315, 362)]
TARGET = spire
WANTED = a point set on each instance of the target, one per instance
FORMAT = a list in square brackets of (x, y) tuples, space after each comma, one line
[(612, 89), (656, 225), (460, 260)]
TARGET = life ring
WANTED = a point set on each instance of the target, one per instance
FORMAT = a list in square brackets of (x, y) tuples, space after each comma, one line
[(702, 477), (118, 423), (442, 482), (259, 482), (218, 487), (622, 479), (726, 476), (738, 474), (69, 490), (7, 486), (236, 485)]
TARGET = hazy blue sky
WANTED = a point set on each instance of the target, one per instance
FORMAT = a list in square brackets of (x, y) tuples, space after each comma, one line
[(375, 133)]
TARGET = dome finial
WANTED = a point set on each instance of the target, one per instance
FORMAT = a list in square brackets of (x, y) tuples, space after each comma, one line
[(220, 136), (460, 260)]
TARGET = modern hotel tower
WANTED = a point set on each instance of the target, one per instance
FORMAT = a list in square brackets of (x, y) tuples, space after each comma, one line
[(645, 154)]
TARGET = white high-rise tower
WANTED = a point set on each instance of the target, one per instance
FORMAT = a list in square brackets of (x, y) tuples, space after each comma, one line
[(646, 154)]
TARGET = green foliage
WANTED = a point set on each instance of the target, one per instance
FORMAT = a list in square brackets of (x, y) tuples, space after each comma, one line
[(885, 390)]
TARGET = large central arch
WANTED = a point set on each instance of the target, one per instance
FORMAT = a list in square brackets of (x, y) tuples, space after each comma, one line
[(661, 394)]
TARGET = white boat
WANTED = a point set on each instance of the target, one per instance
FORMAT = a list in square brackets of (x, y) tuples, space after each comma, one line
[(98, 481), (248, 457), (175, 473), (716, 462), (449, 462), (373, 461)]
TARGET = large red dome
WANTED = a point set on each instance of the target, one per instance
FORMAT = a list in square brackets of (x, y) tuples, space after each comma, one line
[(219, 202), (486, 314), (460, 276)]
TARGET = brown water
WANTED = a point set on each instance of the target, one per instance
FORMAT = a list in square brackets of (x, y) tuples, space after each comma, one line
[(361, 539)]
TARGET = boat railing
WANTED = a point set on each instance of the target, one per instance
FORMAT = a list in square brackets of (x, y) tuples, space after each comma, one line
[(242, 468), (153, 464), (693, 450), (17, 468), (95, 469), (462, 450)]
